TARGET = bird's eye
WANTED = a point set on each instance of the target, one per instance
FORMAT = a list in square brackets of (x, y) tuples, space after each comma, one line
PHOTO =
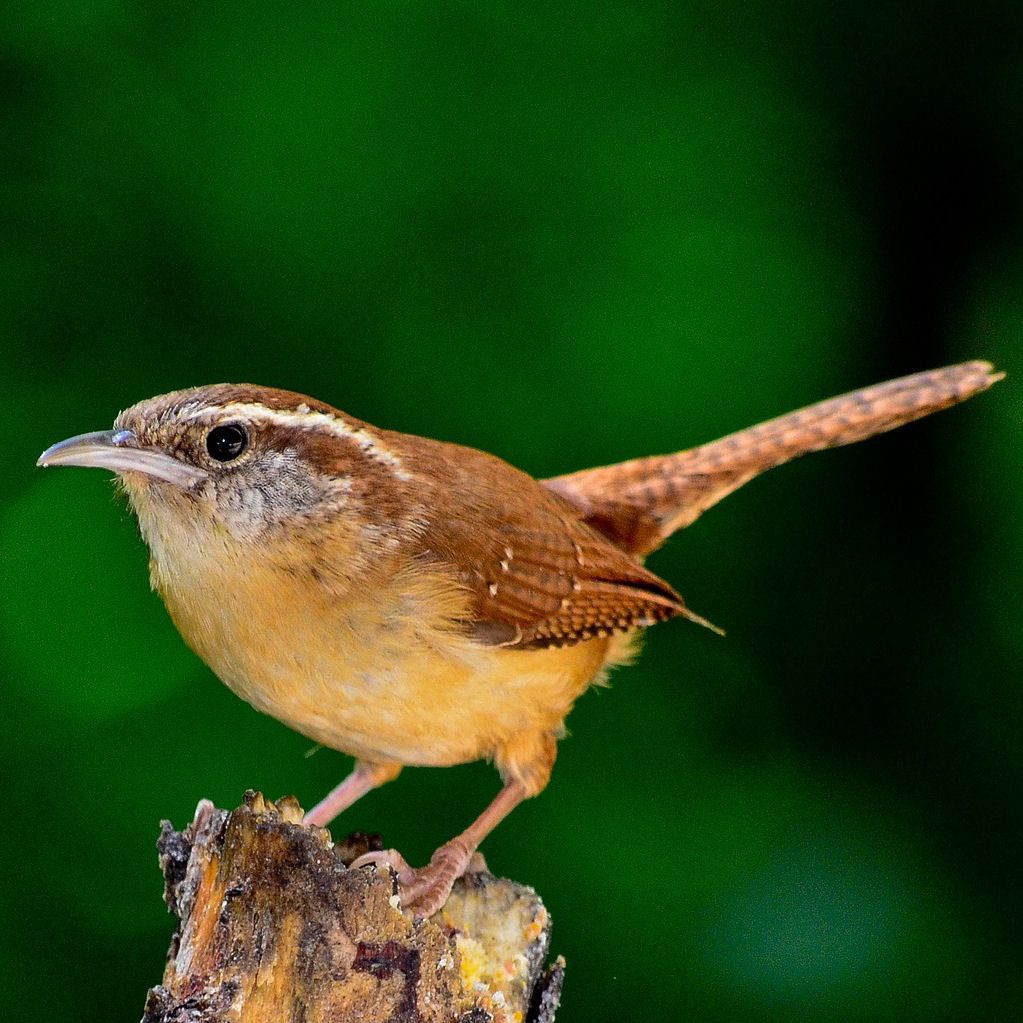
[(225, 443)]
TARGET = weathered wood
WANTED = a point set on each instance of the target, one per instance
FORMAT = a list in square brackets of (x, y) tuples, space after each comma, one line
[(275, 928)]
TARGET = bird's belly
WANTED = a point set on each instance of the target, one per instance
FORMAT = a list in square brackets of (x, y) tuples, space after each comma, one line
[(424, 707), (390, 688)]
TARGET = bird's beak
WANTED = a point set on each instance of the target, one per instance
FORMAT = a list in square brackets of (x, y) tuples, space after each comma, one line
[(120, 452)]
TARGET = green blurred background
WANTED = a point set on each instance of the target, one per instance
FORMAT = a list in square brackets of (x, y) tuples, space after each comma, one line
[(568, 234)]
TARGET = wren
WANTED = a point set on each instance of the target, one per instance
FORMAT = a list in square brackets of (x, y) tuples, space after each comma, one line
[(414, 602)]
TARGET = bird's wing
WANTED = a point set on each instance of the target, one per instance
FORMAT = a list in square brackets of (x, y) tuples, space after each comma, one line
[(537, 574)]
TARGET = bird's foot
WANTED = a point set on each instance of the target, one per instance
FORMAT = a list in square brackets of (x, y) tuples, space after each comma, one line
[(424, 890)]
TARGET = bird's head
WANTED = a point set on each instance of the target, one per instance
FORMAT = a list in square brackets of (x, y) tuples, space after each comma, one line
[(239, 462)]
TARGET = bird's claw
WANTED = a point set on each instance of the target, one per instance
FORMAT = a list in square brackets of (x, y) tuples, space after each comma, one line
[(423, 890), (389, 857)]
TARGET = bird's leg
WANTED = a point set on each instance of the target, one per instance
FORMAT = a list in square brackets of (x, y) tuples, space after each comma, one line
[(367, 775), (426, 889)]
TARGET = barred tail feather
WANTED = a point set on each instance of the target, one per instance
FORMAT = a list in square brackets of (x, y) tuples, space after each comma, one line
[(640, 503)]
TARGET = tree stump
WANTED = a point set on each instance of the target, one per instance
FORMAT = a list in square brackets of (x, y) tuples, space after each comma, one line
[(275, 928)]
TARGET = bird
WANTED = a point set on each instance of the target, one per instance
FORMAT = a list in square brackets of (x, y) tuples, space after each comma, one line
[(414, 602)]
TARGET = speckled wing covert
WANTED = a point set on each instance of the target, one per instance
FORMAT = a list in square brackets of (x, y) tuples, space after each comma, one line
[(556, 587)]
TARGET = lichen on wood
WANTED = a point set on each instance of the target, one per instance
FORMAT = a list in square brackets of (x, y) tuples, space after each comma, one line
[(275, 928)]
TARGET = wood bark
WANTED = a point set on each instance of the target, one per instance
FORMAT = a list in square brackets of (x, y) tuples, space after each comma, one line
[(273, 927)]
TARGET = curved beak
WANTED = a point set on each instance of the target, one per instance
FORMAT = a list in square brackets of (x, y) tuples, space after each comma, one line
[(120, 452)]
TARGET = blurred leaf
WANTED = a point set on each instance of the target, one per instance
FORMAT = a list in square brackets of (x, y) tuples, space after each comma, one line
[(89, 638)]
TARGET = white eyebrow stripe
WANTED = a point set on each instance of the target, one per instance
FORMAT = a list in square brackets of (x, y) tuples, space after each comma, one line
[(307, 420)]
